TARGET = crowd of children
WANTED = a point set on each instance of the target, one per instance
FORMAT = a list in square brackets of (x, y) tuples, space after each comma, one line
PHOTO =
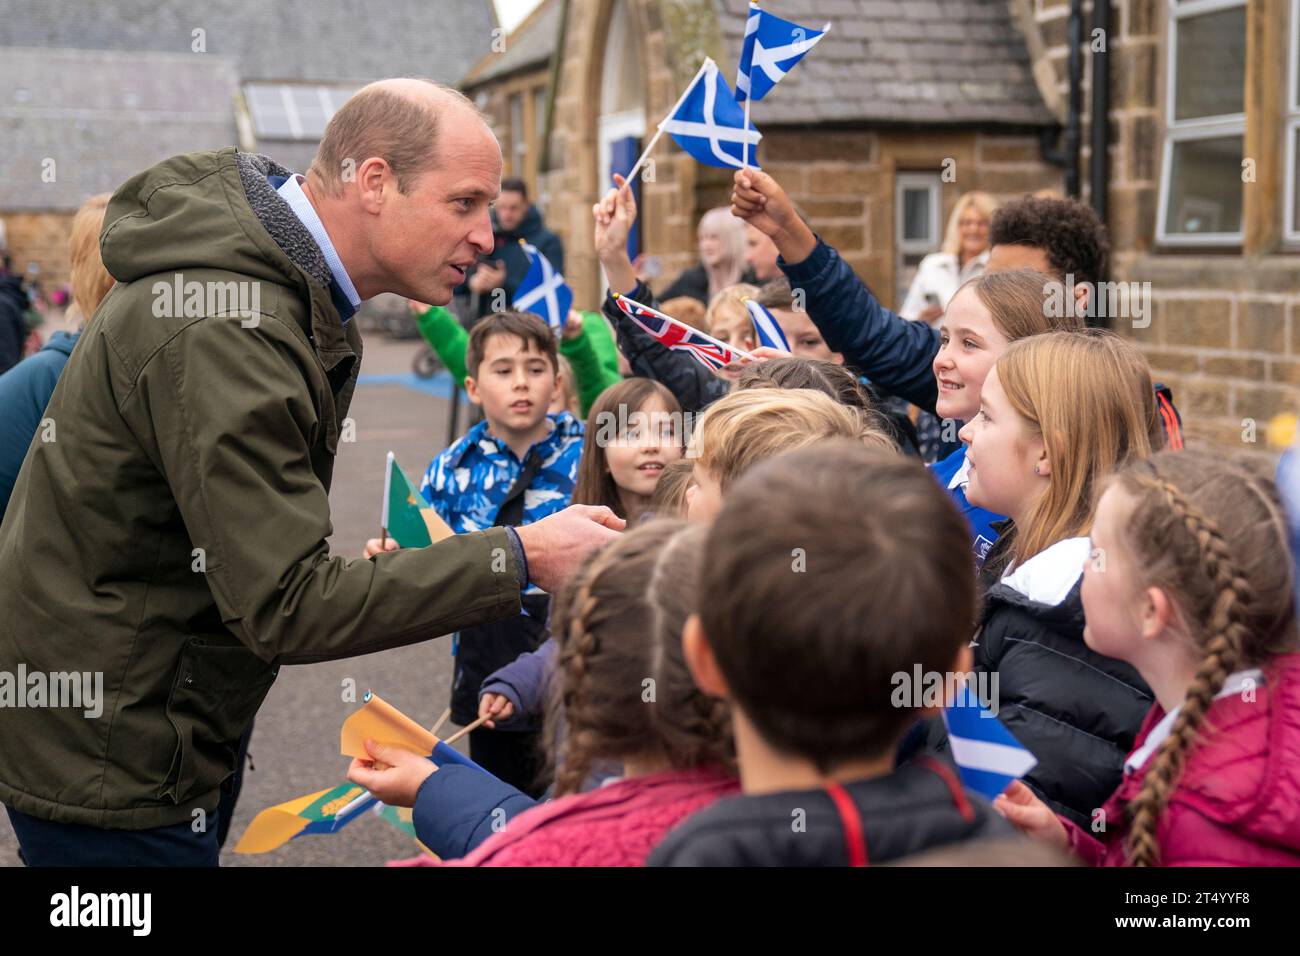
[(714, 687)]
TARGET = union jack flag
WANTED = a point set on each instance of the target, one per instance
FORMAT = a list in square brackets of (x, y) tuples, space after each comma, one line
[(671, 333)]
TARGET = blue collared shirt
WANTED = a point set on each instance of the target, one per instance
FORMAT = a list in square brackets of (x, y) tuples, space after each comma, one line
[(291, 192)]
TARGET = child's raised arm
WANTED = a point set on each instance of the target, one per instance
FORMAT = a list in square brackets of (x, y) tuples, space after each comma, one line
[(892, 352), (614, 216)]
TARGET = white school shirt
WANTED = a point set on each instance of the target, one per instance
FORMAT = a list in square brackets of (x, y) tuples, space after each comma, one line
[(1235, 683)]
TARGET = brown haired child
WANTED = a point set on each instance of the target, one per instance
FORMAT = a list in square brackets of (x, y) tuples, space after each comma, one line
[(857, 571), (743, 428), (624, 695), (516, 466), (633, 432)]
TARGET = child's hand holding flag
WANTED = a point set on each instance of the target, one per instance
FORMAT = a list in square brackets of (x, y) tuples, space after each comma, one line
[(759, 199), (399, 781), (1031, 816)]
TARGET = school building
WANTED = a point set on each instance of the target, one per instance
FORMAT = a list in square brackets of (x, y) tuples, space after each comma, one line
[(906, 105)]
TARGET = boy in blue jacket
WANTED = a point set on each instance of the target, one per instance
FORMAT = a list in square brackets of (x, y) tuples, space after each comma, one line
[(516, 466)]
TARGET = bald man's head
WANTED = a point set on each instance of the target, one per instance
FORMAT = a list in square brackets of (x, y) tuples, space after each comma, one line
[(396, 120)]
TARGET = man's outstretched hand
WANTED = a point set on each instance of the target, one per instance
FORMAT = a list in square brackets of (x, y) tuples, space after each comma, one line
[(556, 545), (759, 199)]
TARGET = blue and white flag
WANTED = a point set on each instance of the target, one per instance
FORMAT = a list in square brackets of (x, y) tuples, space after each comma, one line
[(765, 326), (986, 753), (543, 291), (709, 124), (771, 47)]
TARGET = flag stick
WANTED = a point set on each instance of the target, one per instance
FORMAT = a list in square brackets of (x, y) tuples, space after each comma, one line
[(722, 345), (388, 487), (745, 147), (645, 153), (749, 95), (466, 729), (440, 721)]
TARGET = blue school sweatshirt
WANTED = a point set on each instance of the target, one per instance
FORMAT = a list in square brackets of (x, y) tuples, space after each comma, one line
[(951, 472)]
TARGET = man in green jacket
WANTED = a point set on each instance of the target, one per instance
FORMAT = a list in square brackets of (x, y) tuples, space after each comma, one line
[(164, 551)]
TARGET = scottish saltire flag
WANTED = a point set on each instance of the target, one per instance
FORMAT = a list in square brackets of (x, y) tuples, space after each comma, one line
[(765, 327), (770, 48), (407, 517), (709, 124), (988, 757), (679, 336), (543, 291)]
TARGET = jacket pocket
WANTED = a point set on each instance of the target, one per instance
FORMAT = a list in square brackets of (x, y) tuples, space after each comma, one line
[(217, 690)]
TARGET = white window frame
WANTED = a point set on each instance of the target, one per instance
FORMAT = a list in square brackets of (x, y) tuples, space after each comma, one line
[(931, 183), (1201, 128), (1290, 220)]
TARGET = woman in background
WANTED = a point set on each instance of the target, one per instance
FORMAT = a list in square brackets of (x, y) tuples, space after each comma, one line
[(722, 258), (964, 252)]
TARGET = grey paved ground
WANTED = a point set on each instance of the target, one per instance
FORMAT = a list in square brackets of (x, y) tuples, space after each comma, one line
[(295, 744)]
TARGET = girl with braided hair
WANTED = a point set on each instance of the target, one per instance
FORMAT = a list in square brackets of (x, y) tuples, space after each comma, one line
[(1196, 593), (621, 694)]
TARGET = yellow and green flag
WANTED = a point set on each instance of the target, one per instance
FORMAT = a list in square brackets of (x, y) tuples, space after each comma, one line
[(326, 811), (407, 518)]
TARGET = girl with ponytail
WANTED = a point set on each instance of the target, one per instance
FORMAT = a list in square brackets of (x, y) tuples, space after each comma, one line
[(621, 696), (1195, 592)]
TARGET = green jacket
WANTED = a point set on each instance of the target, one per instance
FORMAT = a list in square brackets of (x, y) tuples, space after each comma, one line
[(171, 536), (593, 354)]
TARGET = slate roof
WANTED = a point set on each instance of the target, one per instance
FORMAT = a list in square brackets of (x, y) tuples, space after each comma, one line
[(528, 46), (107, 89), (102, 117), (916, 61), (885, 61), (327, 41)]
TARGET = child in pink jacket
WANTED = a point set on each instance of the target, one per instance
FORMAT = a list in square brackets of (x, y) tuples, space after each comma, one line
[(1189, 581), (625, 696)]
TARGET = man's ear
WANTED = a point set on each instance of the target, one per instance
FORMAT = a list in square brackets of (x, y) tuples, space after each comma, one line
[(471, 389), (700, 660), (371, 178)]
